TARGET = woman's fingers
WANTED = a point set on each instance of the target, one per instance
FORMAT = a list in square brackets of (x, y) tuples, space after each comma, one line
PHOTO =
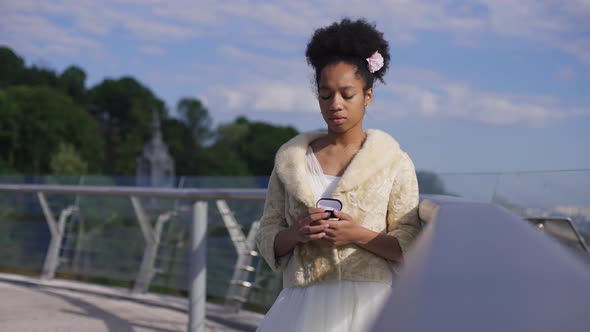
[(310, 212), (313, 218), (315, 229), (315, 210), (313, 224), (342, 215), (315, 232), (315, 236)]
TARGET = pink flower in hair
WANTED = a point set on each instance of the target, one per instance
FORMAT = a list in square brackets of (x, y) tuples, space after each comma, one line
[(375, 62)]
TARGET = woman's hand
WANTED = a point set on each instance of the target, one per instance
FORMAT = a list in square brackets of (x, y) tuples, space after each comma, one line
[(310, 226), (346, 231), (343, 231)]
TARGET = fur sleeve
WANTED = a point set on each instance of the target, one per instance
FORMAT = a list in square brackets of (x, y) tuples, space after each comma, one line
[(272, 222), (402, 212)]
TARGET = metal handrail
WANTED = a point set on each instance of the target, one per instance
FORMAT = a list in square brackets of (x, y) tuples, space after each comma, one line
[(170, 193), (197, 261), (478, 267)]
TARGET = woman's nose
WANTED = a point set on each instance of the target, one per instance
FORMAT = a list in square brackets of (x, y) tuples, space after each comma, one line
[(336, 103)]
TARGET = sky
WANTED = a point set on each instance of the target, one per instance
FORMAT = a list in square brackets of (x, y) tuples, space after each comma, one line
[(473, 86)]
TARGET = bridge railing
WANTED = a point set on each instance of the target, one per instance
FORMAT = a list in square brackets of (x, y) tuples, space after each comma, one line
[(459, 249), (479, 267), (197, 271)]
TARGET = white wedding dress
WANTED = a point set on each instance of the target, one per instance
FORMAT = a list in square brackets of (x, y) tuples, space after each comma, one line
[(330, 306)]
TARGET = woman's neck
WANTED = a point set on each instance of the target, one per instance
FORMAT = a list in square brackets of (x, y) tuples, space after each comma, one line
[(350, 137)]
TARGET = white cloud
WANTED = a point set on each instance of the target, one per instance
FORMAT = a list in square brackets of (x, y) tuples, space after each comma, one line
[(428, 94), (264, 64), (414, 93), (264, 95), (580, 48), (190, 12), (416, 98), (98, 18), (299, 24), (500, 110), (562, 25), (156, 31), (285, 85), (267, 81), (42, 37)]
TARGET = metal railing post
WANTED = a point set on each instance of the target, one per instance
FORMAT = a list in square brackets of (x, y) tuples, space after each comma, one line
[(240, 285), (57, 231), (151, 236), (197, 268), (145, 273)]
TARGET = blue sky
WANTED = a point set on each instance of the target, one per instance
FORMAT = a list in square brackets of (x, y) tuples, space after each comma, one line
[(473, 86)]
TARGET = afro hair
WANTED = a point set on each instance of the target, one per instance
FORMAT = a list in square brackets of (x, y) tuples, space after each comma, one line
[(351, 42)]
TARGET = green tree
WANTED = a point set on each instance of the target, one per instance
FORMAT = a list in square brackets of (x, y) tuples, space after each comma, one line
[(67, 161), (13, 71), (46, 118), (253, 144), (38, 75), (73, 82), (261, 144), (220, 160), (12, 68), (231, 135), (196, 116), (124, 108), (182, 146), (9, 139)]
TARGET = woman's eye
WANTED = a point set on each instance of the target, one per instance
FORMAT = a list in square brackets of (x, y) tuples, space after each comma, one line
[(348, 97), (326, 97)]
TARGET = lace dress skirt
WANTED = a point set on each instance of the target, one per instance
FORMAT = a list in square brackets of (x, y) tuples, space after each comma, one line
[(332, 306)]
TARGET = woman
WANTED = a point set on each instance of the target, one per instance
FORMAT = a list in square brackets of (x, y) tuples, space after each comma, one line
[(337, 273)]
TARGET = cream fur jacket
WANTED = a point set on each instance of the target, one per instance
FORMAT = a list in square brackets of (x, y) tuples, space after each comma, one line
[(378, 189)]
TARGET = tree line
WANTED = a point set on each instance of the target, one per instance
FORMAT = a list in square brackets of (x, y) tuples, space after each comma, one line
[(52, 123)]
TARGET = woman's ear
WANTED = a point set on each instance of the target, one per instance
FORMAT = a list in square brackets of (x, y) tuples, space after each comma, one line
[(368, 97)]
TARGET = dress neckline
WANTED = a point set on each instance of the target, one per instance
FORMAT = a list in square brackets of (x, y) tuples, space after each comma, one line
[(319, 166)]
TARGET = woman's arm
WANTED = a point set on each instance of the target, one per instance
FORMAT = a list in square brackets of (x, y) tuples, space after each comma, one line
[(346, 231), (403, 222), (383, 245), (272, 223)]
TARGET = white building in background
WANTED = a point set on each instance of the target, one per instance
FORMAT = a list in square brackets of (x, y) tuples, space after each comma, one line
[(155, 165)]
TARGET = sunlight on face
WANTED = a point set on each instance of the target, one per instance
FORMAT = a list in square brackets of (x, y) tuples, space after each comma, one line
[(341, 97)]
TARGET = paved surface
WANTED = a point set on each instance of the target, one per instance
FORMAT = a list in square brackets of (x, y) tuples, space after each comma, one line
[(31, 305)]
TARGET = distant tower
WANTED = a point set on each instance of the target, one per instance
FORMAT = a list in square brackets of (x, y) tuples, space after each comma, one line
[(155, 166)]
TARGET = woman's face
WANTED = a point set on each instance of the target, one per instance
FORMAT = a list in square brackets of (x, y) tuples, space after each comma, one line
[(341, 97)]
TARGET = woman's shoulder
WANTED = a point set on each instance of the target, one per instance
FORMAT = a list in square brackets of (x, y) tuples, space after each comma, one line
[(386, 146), (383, 139), (380, 142)]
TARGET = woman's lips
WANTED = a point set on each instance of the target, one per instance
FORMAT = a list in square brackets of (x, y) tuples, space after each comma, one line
[(338, 120)]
